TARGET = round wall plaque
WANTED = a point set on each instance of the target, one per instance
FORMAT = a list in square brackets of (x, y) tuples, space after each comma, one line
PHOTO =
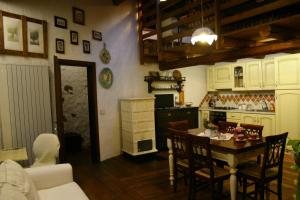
[(105, 55), (106, 78)]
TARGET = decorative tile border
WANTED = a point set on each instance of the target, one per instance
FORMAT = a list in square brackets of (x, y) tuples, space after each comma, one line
[(234, 99)]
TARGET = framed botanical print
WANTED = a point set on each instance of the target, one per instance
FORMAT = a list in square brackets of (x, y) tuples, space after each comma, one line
[(74, 37), (11, 41), (78, 16), (86, 46), (36, 36), (60, 45)]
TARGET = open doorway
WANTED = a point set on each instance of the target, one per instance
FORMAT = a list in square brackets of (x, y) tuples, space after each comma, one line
[(77, 116)]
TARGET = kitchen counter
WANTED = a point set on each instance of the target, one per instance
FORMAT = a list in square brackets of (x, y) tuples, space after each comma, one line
[(238, 111)]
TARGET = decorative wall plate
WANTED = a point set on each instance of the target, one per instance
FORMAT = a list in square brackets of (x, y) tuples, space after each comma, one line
[(106, 78), (105, 55), (176, 75)]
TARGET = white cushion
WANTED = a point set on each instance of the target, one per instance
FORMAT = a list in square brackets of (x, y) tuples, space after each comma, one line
[(9, 192), (11, 173), (63, 192)]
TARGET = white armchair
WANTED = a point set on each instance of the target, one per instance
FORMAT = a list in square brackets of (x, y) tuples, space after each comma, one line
[(56, 182)]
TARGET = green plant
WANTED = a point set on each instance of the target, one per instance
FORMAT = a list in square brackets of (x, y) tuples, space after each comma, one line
[(296, 148)]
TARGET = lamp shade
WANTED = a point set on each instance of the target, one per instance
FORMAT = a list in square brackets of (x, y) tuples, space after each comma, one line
[(204, 35)]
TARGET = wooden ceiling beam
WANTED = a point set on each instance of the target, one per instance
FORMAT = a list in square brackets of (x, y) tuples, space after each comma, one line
[(257, 11), (233, 55), (117, 2), (233, 43)]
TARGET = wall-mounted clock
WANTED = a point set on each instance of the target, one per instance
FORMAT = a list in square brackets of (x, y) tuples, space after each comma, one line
[(105, 55)]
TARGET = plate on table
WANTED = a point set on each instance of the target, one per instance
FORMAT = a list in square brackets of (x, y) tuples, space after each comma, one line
[(240, 140)]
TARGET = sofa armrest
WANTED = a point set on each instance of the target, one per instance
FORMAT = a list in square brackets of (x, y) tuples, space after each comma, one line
[(51, 175)]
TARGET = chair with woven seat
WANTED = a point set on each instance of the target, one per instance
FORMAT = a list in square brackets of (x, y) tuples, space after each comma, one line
[(253, 129), (180, 155), (270, 170), (227, 126), (202, 167)]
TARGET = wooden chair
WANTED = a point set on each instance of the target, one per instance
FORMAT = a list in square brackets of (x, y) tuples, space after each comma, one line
[(202, 167), (180, 155), (270, 170), (252, 129), (182, 125), (227, 126)]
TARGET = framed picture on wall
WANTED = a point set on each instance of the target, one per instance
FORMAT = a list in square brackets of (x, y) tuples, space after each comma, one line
[(37, 39), (60, 46), (78, 16), (74, 37), (11, 40), (86, 46), (97, 35), (60, 22)]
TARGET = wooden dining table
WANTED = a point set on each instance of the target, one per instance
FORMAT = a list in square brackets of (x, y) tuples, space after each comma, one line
[(230, 151)]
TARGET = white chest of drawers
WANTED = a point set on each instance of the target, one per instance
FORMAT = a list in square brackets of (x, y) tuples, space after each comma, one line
[(138, 127)]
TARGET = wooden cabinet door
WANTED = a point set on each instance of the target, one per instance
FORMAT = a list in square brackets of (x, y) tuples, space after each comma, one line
[(287, 72), (223, 77), (268, 74), (288, 112), (268, 121), (249, 119), (210, 79), (253, 75)]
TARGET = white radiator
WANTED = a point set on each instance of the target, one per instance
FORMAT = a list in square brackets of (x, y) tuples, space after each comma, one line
[(25, 106)]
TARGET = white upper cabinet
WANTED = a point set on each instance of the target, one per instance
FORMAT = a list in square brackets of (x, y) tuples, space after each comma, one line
[(253, 75), (268, 74), (210, 79), (287, 72), (223, 77)]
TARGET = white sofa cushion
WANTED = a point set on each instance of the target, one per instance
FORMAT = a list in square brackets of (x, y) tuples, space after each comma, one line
[(11, 173), (63, 192), (9, 192)]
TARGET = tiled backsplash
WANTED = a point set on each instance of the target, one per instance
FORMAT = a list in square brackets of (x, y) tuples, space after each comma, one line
[(235, 99)]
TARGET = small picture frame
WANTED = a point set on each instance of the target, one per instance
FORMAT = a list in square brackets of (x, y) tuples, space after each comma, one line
[(74, 37), (78, 16), (60, 45), (97, 35), (86, 46), (60, 22)]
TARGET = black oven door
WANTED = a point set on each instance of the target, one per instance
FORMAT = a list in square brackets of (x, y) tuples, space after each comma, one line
[(216, 116)]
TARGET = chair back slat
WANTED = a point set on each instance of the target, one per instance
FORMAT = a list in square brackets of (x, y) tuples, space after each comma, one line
[(227, 126), (274, 152), (179, 142), (252, 129), (200, 154)]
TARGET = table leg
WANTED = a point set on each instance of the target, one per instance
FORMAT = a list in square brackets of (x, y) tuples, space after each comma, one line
[(233, 180), (171, 167)]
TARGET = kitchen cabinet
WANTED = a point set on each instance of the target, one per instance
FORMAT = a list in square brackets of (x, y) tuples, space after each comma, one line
[(137, 119), (163, 116), (268, 121), (233, 117), (288, 112), (287, 71), (223, 77), (268, 74), (210, 79), (253, 75)]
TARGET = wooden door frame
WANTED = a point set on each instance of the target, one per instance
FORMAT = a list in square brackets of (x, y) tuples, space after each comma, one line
[(92, 99)]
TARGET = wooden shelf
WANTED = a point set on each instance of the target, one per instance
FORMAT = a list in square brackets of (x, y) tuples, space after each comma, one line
[(151, 79)]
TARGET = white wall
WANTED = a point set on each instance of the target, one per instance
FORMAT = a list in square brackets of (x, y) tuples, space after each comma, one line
[(119, 28)]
